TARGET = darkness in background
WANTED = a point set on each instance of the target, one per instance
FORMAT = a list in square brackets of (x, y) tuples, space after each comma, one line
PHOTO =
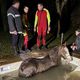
[(51, 6), (66, 14), (1, 28)]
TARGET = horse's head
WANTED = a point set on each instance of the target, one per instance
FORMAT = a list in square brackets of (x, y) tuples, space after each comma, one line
[(64, 52), (59, 51), (54, 55)]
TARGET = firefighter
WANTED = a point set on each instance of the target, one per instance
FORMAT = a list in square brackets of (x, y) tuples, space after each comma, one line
[(42, 24), (15, 26), (25, 24)]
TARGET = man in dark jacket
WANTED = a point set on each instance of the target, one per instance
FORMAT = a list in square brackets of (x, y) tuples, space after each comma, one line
[(15, 26)]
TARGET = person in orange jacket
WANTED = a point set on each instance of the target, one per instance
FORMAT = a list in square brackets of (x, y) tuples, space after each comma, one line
[(42, 24), (25, 23)]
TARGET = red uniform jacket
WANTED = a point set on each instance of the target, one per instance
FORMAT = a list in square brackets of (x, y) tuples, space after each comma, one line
[(42, 19)]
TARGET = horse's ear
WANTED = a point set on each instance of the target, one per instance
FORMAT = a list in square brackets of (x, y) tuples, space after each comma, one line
[(64, 44)]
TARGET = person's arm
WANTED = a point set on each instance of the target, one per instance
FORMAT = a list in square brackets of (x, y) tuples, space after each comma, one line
[(48, 19), (11, 21), (36, 21), (23, 20), (18, 23)]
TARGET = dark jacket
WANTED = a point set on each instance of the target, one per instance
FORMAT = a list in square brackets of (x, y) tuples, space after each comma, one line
[(25, 19), (14, 20)]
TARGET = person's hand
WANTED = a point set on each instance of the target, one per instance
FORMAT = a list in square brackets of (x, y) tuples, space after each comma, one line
[(26, 26), (34, 29), (15, 32), (48, 30)]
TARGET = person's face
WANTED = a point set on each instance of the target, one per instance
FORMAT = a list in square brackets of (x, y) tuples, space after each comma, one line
[(17, 5), (77, 32), (40, 7), (26, 9)]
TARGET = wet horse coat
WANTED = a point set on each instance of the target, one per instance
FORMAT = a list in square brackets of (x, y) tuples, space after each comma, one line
[(31, 66)]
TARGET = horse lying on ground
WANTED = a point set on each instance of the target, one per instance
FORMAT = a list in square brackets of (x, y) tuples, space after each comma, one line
[(33, 65)]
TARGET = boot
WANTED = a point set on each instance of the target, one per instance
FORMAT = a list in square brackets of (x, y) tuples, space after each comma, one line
[(15, 50), (44, 47), (26, 50), (38, 48), (20, 51)]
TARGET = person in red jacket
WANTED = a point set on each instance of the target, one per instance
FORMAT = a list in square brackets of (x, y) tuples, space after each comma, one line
[(42, 24)]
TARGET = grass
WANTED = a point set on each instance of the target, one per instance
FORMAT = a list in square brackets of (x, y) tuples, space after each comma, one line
[(5, 46), (6, 49), (69, 37), (6, 53)]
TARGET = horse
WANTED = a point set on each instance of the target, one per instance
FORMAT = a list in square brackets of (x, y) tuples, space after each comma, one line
[(49, 58)]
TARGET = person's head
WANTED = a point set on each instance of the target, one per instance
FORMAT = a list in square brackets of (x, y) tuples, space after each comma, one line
[(16, 4), (77, 32), (40, 6), (26, 9)]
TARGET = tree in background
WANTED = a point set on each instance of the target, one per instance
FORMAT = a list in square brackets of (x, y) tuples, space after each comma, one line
[(3, 7), (59, 6)]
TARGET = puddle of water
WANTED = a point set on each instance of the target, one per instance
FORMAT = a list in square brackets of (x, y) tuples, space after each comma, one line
[(74, 75), (56, 73)]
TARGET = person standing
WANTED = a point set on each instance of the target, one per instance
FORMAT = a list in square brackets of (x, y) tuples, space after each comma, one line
[(25, 24), (15, 26), (42, 24)]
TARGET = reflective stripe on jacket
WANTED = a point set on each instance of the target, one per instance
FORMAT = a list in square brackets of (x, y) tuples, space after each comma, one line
[(14, 20)]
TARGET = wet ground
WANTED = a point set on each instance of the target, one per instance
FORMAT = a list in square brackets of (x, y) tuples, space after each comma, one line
[(61, 72)]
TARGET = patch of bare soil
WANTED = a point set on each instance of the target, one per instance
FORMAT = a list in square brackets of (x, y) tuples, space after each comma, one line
[(9, 59)]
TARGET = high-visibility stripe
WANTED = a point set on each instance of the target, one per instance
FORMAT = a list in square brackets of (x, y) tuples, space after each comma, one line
[(17, 15), (36, 20), (14, 16), (10, 14), (20, 32), (12, 32), (48, 17)]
